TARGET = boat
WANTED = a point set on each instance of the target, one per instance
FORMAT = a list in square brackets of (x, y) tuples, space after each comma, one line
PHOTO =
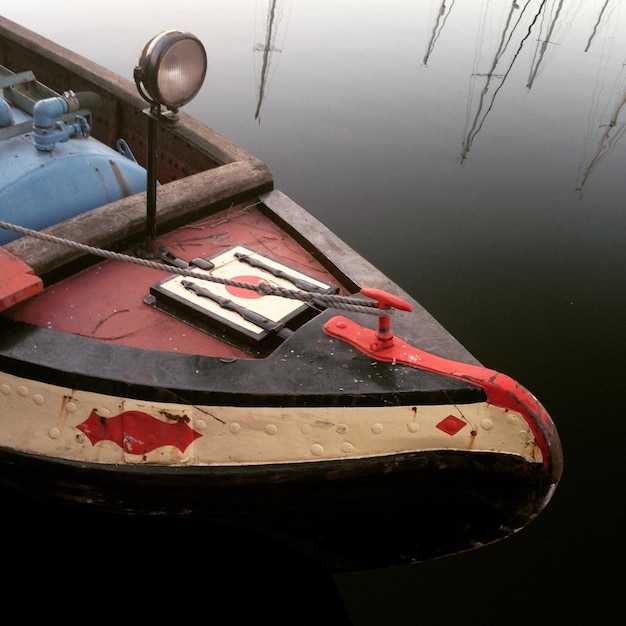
[(180, 338)]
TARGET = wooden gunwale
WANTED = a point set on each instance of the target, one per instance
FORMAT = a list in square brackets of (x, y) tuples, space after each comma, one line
[(202, 171)]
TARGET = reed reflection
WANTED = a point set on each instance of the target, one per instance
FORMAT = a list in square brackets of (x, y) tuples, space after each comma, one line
[(614, 129), (268, 49), (440, 21), (512, 30), (531, 32)]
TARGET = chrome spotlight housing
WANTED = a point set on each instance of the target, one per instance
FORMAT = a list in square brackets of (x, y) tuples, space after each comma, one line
[(171, 69)]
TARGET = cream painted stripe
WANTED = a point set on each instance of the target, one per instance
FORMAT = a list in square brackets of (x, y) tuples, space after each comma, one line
[(42, 419)]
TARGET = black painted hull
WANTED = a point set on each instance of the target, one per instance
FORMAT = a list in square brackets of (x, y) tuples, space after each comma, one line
[(364, 514)]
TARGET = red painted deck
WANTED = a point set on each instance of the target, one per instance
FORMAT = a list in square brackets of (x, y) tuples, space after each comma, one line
[(107, 301)]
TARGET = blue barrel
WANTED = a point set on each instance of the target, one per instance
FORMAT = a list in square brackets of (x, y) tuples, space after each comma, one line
[(39, 188)]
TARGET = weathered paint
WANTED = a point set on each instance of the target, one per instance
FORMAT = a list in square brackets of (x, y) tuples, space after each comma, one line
[(49, 420), (94, 382), (502, 391)]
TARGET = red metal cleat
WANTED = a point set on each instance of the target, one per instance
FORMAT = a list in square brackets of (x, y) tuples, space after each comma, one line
[(386, 301), (501, 390)]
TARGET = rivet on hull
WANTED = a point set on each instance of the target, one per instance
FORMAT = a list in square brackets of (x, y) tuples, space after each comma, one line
[(317, 449)]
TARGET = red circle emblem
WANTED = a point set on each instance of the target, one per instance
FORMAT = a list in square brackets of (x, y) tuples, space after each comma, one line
[(240, 292)]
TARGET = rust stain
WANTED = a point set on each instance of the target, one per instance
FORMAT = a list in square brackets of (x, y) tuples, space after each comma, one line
[(101, 178), (180, 419), (534, 450), (64, 400), (473, 434), (119, 177), (63, 415)]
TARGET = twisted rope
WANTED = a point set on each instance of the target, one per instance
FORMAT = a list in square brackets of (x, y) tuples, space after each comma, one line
[(263, 288)]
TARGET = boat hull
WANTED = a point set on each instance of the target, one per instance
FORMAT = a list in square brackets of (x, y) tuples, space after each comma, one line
[(362, 514), (266, 451)]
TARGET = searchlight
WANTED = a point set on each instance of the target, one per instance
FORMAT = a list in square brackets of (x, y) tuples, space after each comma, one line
[(170, 73)]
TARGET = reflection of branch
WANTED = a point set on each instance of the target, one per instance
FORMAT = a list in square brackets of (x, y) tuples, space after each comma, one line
[(602, 143), (478, 121), (595, 27), (441, 17), (544, 45), (266, 57)]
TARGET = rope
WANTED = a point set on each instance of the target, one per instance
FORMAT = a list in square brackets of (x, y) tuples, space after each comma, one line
[(263, 288)]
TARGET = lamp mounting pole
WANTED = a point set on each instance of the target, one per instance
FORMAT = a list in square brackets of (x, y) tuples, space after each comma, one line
[(170, 73), (151, 222)]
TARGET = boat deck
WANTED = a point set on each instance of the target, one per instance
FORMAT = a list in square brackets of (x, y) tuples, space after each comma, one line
[(107, 301)]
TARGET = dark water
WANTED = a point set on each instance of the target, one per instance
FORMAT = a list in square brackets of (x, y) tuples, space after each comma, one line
[(472, 151)]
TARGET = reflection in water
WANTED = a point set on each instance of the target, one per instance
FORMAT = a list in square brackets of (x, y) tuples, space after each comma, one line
[(484, 105), (521, 23), (157, 563), (518, 28), (543, 43), (268, 48), (597, 24), (440, 22), (607, 143)]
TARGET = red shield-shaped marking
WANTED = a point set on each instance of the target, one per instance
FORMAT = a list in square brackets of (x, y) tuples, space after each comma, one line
[(136, 432)]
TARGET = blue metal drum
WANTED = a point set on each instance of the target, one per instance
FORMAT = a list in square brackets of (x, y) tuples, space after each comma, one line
[(40, 187)]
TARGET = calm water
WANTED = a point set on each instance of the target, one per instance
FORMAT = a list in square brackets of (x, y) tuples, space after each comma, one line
[(471, 150)]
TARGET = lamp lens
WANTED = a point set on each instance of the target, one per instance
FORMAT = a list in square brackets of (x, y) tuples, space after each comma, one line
[(181, 72)]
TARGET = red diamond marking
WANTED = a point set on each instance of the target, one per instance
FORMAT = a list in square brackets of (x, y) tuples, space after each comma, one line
[(451, 425)]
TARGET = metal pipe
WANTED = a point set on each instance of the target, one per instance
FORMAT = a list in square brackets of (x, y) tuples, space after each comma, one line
[(47, 128), (151, 223)]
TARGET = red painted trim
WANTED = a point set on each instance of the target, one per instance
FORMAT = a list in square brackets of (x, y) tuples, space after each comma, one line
[(501, 390), (18, 281)]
